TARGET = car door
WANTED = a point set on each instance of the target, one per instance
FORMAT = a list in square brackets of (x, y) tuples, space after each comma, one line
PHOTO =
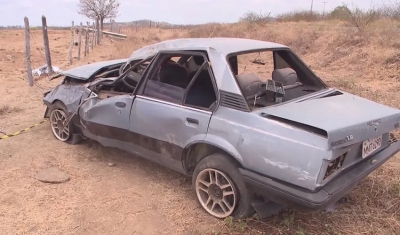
[(107, 120), (162, 125), (104, 117)]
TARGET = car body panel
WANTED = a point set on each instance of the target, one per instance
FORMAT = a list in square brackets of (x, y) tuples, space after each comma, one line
[(289, 195), (270, 148), (103, 118), (70, 95), (165, 128), (340, 116), (85, 72)]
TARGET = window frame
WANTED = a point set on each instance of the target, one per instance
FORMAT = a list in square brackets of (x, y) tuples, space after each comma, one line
[(301, 64), (154, 66)]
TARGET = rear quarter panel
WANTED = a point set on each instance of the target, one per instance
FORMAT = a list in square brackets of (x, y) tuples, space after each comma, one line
[(271, 148)]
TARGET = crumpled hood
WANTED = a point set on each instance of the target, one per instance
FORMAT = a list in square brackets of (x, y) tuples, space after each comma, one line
[(345, 118), (84, 72)]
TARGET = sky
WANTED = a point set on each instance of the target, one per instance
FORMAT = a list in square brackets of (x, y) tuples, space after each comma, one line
[(62, 12)]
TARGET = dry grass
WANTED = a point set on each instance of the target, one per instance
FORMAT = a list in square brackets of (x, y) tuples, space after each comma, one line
[(365, 64)]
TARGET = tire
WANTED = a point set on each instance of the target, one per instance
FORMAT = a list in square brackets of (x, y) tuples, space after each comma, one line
[(237, 202), (57, 118)]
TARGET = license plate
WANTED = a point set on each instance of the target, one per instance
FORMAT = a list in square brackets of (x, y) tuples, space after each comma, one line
[(371, 145)]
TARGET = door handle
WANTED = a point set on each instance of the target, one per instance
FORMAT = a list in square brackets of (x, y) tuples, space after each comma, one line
[(120, 104), (193, 121)]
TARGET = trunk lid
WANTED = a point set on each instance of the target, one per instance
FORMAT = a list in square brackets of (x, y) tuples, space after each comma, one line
[(343, 118)]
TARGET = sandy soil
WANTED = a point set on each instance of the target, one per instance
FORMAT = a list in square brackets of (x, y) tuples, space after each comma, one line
[(136, 196)]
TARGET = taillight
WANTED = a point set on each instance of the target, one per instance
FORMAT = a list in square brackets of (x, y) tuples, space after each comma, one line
[(392, 138), (335, 165)]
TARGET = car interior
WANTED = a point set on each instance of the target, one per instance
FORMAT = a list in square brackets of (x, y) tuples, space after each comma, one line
[(182, 79), (188, 77), (290, 78)]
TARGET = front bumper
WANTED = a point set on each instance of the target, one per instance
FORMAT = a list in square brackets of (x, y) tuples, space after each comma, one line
[(293, 196)]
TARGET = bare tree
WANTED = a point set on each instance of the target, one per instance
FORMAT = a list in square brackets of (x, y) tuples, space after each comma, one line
[(98, 9), (253, 17)]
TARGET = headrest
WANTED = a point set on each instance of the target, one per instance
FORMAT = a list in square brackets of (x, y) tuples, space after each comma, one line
[(250, 84), (199, 60), (287, 76)]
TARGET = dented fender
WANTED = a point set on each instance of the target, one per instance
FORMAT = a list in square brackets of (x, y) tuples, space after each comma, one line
[(70, 95)]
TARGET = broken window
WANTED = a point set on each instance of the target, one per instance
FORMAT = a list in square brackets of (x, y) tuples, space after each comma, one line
[(184, 79), (267, 77)]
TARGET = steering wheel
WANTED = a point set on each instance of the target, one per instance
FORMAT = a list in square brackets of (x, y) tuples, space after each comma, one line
[(133, 76)]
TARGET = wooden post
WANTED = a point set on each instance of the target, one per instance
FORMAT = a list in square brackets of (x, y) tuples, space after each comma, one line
[(28, 51), (80, 41), (72, 43), (100, 30), (93, 35), (87, 39), (46, 45), (97, 32)]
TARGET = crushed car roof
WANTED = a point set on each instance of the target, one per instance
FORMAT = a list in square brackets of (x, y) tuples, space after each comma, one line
[(225, 46)]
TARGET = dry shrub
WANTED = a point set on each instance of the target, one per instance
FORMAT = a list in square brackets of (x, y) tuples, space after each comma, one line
[(361, 19), (253, 17), (390, 10), (302, 15)]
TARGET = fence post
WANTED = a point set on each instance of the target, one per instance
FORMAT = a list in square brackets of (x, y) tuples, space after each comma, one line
[(93, 33), (28, 51), (97, 32), (72, 43), (87, 39), (46, 45), (80, 42), (101, 30)]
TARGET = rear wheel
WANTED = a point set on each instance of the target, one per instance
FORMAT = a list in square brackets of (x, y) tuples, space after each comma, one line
[(220, 188), (62, 130)]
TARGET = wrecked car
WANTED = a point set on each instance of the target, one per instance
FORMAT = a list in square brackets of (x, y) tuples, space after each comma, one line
[(251, 141)]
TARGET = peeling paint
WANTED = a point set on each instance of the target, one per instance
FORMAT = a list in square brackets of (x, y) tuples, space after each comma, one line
[(302, 175)]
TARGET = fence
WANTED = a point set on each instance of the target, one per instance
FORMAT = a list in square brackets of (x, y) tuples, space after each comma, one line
[(88, 37)]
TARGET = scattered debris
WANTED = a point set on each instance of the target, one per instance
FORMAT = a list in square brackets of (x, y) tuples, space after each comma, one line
[(52, 175), (44, 70), (111, 164), (258, 61)]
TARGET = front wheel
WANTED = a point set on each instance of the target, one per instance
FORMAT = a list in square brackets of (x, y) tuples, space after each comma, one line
[(62, 130), (220, 188)]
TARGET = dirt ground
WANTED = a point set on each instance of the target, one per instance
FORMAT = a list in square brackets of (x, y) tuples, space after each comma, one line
[(139, 197)]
